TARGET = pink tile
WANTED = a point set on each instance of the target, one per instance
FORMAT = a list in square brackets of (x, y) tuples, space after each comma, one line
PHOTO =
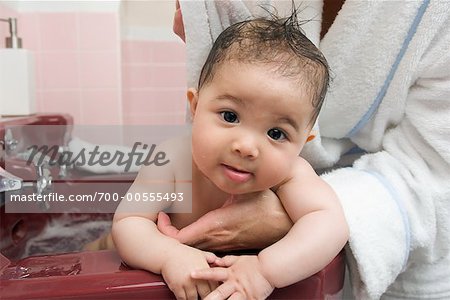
[(58, 31), (61, 102), (28, 30), (152, 119), (145, 76), (99, 31), (137, 52), (153, 102), (170, 101), (39, 102), (99, 70), (169, 76), (136, 120), (59, 70), (169, 52), (136, 101), (5, 13), (38, 71), (137, 76), (101, 107)]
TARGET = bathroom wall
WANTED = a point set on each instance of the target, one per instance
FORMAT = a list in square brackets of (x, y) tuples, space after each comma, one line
[(104, 62), (153, 64), (5, 12)]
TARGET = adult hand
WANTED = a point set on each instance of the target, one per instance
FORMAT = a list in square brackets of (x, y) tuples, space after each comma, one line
[(244, 224), (178, 26)]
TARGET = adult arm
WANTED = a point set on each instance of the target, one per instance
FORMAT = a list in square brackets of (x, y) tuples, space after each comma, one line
[(397, 203), (252, 224)]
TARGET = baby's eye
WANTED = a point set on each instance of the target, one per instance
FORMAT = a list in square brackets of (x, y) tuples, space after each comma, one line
[(276, 134), (229, 116)]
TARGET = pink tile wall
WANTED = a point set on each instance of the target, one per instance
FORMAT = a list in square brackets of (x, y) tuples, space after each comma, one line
[(5, 13), (77, 63), (82, 68), (153, 82)]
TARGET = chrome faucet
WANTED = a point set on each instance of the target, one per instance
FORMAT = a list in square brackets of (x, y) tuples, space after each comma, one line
[(9, 143), (9, 182), (12, 183)]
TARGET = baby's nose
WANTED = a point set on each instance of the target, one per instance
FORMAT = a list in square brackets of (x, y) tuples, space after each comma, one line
[(246, 147)]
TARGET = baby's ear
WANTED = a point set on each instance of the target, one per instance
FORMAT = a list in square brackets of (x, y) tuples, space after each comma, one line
[(192, 95)]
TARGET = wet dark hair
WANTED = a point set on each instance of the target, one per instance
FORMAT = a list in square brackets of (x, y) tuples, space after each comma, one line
[(279, 42)]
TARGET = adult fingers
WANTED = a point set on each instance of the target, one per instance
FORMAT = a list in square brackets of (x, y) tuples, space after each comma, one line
[(197, 231), (178, 25), (165, 225)]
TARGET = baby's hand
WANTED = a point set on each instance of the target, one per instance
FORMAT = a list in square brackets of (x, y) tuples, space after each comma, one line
[(176, 271), (241, 276)]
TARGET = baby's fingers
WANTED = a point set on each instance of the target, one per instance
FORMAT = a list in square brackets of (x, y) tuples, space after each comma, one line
[(226, 261), (191, 293), (179, 292), (210, 257), (222, 292), (203, 289), (211, 274), (213, 285), (237, 296)]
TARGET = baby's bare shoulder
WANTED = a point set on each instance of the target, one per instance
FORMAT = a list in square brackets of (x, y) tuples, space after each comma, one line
[(175, 155), (301, 169)]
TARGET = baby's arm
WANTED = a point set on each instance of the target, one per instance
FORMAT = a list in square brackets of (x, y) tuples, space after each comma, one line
[(320, 230), (319, 233), (141, 245), (135, 235)]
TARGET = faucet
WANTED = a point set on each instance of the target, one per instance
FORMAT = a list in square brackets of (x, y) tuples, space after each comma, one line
[(12, 183), (9, 182), (9, 142)]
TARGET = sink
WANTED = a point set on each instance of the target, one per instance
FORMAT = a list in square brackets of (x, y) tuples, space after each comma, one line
[(41, 252)]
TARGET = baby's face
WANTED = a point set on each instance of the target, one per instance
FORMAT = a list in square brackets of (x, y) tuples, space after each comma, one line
[(249, 125)]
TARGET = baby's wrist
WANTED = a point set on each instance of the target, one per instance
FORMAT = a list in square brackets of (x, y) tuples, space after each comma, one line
[(174, 250), (264, 270)]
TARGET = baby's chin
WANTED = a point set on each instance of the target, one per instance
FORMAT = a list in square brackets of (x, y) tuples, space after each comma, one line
[(241, 189)]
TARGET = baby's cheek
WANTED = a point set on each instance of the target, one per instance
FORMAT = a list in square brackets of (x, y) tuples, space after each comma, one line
[(280, 169)]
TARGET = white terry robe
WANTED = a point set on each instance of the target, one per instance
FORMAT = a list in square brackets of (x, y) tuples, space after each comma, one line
[(390, 96)]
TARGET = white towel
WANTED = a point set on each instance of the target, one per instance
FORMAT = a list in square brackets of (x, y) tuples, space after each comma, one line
[(395, 199), (205, 20)]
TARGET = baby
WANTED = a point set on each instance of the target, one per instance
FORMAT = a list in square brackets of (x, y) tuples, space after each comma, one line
[(259, 94)]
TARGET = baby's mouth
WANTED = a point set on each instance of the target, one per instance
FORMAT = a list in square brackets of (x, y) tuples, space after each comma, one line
[(236, 169), (235, 174)]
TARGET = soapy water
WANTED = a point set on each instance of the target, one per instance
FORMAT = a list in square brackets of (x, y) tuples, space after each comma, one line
[(67, 233)]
